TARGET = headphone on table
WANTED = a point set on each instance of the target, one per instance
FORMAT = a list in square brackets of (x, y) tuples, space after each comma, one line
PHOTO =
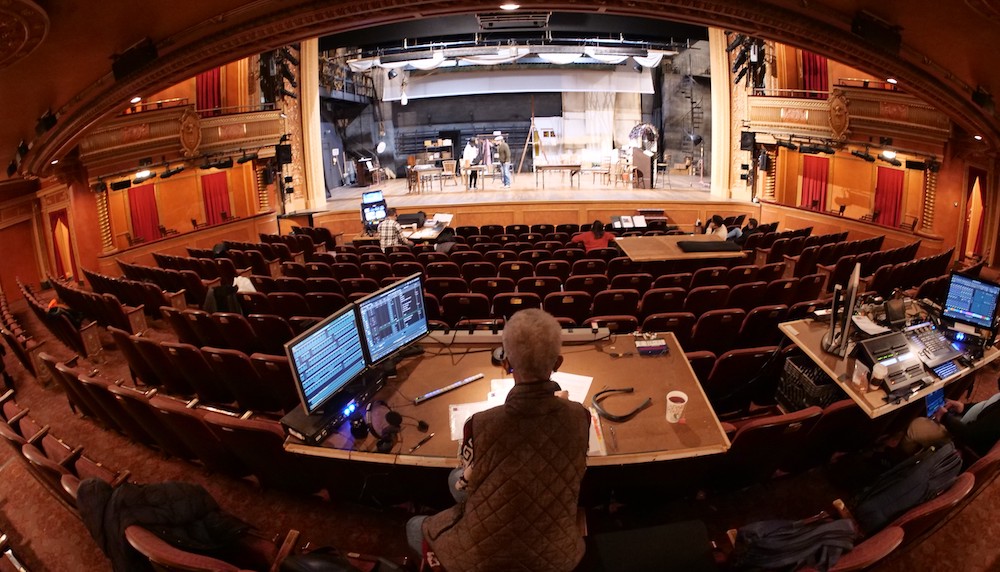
[(384, 424), (596, 403)]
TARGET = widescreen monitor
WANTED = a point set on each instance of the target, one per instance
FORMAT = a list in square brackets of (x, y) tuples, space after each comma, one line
[(392, 318), (326, 358), (372, 197), (971, 301), (373, 213)]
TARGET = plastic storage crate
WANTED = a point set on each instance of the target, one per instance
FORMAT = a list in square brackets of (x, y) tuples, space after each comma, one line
[(803, 384)]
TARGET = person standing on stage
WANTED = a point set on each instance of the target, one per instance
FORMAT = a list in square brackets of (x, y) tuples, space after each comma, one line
[(470, 158), (503, 155)]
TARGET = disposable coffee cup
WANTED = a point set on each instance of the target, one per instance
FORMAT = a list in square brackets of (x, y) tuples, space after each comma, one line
[(676, 400)]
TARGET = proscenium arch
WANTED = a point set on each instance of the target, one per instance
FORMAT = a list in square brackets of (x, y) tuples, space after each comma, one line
[(259, 27)]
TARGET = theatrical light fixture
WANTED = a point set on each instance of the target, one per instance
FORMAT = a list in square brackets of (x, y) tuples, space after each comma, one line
[(891, 81), (171, 172), (864, 155), (737, 40), (22, 148), (135, 100), (808, 149), (286, 73), (889, 154), (891, 160), (45, 122), (11, 168), (510, 7), (54, 162), (284, 137), (99, 187), (824, 148), (285, 93), (246, 157), (143, 176), (403, 100), (226, 163), (392, 74), (288, 56), (977, 137), (786, 144), (380, 148)]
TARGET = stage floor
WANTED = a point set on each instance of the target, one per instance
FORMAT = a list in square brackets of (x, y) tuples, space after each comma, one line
[(522, 190)]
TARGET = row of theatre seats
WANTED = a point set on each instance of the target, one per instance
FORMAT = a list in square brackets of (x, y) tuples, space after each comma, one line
[(219, 441), (318, 234), (60, 324), (769, 234), (135, 293), (104, 309), (172, 281), (805, 257), (216, 375), (18, 340)]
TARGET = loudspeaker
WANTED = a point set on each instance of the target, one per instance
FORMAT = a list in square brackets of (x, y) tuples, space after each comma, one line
[(747, 140), (133, 59), (283, 154), (763, 160), (120, 185), (268, 176)]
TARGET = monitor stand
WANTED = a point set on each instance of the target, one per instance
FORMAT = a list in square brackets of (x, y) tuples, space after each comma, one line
[(389, 367)]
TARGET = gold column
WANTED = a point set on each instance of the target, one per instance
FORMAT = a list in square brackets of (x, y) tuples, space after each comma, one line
[(930, 191), (104, 222), (721, 114)]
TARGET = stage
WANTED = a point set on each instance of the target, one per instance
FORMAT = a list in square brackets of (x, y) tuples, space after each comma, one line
[(683, 198)]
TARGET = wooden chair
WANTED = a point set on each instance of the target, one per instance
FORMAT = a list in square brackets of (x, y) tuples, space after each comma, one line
[(449, 171)]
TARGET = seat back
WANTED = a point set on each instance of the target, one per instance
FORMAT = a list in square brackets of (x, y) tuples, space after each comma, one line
[(234, 369), (732, 371), (191, 364), (623, 301), (188, 426), (680, 323), (464, 305), (760, 327), (589, 283), (704, 298), (506, 304), (717, 330), (710, 276), (760, 446), (747, 296), (574, 305)]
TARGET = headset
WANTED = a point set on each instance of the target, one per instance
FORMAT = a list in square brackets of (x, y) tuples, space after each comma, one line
[(596, 403), (384, 424)]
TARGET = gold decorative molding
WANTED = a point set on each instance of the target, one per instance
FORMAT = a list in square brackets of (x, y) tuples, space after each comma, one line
[(840, 114), (190, 133), (176, 134), (23, 27), (104, 223)]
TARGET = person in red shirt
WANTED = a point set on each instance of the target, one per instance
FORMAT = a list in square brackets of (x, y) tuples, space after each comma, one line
[(595, 238)]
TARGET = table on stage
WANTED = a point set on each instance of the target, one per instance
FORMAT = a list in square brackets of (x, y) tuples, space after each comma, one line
[(656, 248), (574, 171), (482, 171), (645, 438), (427, 174), (808, 335)]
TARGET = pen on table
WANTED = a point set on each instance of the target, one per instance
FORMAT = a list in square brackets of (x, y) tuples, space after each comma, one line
[(614, 439), (421, 442)]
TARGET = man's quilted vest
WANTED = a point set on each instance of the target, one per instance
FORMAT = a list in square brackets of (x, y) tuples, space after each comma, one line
[(529, 459)]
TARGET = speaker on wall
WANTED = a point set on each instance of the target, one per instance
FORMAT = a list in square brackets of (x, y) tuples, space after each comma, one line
[(747, 140), (283, 153)]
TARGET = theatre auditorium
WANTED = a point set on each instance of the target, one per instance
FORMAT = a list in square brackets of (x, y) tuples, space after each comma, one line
[(257, 260)]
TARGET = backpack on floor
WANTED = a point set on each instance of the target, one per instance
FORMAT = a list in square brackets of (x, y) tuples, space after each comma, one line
[(790, 545), (913, 481)]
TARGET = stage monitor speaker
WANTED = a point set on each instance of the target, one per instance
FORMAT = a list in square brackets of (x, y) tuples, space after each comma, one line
[(283, 153), (133, 59), (747, 140)]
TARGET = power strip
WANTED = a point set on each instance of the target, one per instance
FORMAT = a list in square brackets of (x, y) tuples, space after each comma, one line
[(488, 337)]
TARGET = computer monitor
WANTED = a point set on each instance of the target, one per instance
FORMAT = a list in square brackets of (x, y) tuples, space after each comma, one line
[(372, 197), (971, 301), (326, 358), (392, 318), (836, 341), (373, 213)]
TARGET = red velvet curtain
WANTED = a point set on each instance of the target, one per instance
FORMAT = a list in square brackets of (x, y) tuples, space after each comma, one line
[(209, 92), (889, 196), (815, 171), (215, 189), (145, 219), (815, 75)]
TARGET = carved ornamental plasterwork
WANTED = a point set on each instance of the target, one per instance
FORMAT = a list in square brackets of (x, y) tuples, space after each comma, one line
[(840, 116), (23, 27), (190, 133)]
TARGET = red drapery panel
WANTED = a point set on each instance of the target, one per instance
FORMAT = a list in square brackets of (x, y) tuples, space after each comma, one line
[(814, 178), (209, 92), (889, 196), (215, 188), (145, 219), (815, 75)]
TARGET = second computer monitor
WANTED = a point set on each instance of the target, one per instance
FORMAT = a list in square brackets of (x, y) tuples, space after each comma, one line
[(971, 301), (326, 358), (392, 318)]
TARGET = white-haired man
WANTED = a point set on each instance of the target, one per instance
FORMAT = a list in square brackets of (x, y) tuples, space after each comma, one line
[(522, 464)]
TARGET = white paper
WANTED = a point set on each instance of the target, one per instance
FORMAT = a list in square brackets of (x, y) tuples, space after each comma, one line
[(627, 222), (639, 220), (459, 413), (869, 327), (443, 218), (578, 386)]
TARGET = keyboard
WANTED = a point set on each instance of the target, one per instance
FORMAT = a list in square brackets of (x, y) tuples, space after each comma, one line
[(932, 347), (946, 369)]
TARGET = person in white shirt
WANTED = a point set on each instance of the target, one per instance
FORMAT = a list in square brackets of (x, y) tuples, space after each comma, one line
[(470, 157), (716, 227)]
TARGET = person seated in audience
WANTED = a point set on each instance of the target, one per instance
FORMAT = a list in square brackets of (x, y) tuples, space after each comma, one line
[(752, 227), (445, 241), (504, 519), (222, 297), (976, 425), (595, 238), (389, 231), (717, 227)]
